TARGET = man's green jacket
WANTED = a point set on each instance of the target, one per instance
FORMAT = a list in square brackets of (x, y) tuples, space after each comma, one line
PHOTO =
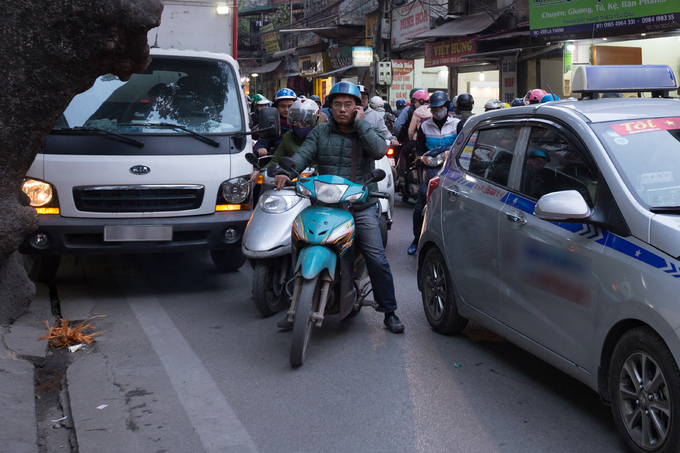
[(332, 152)]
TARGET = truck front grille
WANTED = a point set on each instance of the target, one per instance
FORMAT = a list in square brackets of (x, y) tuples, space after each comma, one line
[(151, 198)]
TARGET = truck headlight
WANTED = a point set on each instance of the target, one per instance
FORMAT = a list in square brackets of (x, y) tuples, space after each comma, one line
[(39, 192), (236, 190)]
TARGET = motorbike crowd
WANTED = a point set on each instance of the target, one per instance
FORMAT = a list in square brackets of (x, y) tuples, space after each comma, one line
[(337, 142)]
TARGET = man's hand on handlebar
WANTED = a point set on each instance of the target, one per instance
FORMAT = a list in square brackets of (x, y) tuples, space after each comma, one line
[(280, 181), (261, 152), (253, 175)]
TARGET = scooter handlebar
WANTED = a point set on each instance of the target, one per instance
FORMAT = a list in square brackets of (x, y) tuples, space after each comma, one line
[(379, 195)]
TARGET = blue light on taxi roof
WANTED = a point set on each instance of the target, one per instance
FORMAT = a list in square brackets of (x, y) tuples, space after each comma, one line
[(623, 78)]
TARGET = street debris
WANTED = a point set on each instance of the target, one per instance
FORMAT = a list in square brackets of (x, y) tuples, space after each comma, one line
[(62, 335), (60, 419), (458, 365), (102, 406), (75, 347)]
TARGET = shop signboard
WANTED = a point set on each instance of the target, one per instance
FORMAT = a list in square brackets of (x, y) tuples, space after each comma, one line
[(310, 64), (340, 56), (555, 17), (402, 80), (362, 56), (409, 22), (449, 53), (508, 78), (371, 28), (271, 43)]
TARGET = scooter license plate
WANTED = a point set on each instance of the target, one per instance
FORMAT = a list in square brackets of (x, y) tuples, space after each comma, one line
[(120, 233), (392, 163)]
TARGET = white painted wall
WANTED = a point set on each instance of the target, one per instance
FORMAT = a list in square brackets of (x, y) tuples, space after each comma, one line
[(196, 26), (655, 50), (430, 78)]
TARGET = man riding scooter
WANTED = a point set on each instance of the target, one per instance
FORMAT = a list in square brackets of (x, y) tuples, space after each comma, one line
[(345, 145)]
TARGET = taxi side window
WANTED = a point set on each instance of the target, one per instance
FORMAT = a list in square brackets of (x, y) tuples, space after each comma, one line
[(552, 164), (491, 152)]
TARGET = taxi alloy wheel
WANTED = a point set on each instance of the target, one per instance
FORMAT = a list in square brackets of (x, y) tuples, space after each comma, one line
[(644, 383), (438, 296)]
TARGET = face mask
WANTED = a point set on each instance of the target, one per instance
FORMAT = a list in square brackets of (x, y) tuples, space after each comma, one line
[(302, 132), (439, 114)]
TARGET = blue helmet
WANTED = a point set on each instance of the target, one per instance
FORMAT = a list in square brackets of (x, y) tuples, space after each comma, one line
[(549, 97), (517, 102), (538, 154), (439, 99), (283, 94), (401, 103), (347, 88)]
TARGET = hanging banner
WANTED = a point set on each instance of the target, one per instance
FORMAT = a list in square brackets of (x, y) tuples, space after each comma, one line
[(449, 53), (408, 22), (362, 56), (551, 17), (310, 64), (271, 43), (402, 80), (509, 79), (340, 56)]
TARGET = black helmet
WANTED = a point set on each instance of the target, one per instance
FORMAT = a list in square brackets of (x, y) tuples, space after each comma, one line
[(464, 102), (439, 99), (362, 89), (410, 94), (315, 98)]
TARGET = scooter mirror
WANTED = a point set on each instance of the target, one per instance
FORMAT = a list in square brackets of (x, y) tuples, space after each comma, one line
[(272, 170), (253, 160), (376, 175), (270, 126), (287, 164)]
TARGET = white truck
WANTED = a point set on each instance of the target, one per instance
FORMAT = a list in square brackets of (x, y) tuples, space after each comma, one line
[(153, 164)]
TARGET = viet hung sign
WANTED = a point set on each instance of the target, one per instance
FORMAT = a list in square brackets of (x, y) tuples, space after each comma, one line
[(554, 17), (449, 53)]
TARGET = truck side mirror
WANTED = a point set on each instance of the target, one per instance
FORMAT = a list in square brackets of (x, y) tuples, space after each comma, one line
[(270, 125)]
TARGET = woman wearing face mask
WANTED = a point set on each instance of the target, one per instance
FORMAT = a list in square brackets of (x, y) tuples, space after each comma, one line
[(440, 130), (302, 117)]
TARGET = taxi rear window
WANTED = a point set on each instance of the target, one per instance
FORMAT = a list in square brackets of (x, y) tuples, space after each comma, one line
[(647, 155)]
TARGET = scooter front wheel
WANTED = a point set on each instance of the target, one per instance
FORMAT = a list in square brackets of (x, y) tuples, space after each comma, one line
[(269, 292), (308, 302)]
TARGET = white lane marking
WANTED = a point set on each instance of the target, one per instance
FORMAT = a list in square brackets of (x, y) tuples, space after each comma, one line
[(209, 412)]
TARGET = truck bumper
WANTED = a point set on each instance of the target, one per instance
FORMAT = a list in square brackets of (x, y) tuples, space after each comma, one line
[(78, 236)]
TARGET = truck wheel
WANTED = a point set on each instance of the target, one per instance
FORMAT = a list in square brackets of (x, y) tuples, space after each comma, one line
[(268, 294), (439, 301), (228, 260), (644, 383), (42, 268), (383, 229)]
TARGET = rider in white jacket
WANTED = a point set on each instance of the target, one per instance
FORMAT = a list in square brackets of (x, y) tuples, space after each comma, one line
[(374, 118)]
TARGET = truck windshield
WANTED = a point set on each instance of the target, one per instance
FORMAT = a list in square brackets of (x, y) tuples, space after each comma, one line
[(200, 95), (647, 155)]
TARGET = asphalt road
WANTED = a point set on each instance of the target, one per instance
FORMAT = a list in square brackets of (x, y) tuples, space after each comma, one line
[(199, 369)]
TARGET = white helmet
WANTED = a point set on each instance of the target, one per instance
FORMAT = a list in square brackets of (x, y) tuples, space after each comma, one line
[(377, 102), (304, 112), (493, 104)]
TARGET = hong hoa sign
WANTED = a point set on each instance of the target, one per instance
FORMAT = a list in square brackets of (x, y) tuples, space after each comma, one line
[(449, 53)]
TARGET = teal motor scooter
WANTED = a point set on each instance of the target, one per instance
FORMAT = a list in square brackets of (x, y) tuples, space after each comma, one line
[(330, 279)]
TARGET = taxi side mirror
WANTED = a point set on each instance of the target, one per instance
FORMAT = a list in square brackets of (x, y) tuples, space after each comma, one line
[(562, 206)]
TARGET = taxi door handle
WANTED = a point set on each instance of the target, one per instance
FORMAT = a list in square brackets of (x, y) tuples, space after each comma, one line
[(516, 217), (452, 192)]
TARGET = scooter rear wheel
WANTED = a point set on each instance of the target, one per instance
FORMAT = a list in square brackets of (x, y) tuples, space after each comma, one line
[(308, 302)]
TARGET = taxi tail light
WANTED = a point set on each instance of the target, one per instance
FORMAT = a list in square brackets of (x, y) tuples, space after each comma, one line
[(390, 152), (433, 184)]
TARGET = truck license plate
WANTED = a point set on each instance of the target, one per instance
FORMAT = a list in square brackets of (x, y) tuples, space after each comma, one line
[(117, 233)]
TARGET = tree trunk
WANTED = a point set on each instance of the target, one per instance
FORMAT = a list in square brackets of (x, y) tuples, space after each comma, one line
[(51, 51)]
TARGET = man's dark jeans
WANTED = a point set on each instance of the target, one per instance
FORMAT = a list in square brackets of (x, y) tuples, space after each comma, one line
[(369, 242)]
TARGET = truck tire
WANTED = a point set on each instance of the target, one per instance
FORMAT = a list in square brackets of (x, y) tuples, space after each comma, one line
[(228, 260), (42, 268)]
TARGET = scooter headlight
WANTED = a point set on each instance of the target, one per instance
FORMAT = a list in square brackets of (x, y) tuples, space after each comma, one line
[(433, 161), (353, 198), (236, 190), (278, 203), (329, 193)]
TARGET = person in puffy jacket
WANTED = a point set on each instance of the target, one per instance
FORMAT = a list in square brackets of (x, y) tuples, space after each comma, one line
[(374, 118), (378, 104), (330, 145)]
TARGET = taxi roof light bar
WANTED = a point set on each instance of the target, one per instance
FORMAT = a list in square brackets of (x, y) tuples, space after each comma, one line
[(589, 80)]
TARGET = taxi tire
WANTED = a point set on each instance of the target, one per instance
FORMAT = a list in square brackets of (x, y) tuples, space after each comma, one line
[(228, 260), (638, 343), (436, 279)]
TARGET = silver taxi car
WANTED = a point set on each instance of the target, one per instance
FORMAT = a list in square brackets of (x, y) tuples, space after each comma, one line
[(557, 226)]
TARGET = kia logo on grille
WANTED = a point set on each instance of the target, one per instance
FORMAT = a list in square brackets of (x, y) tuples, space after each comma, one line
[(139, 170)]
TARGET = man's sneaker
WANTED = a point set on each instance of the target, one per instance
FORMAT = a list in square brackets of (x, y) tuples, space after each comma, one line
[(412, 249), (394, 324), (284, 324)]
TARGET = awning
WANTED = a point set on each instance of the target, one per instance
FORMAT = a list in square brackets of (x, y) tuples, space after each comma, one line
[(265, 68), (335, 71), (468, 25), (283, 53), (493, 55), (504, 35)]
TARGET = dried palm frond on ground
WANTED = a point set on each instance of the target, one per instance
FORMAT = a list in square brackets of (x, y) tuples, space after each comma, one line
[(62, 335)]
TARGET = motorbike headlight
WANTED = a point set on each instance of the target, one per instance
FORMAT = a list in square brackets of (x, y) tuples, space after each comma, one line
[(353, 198), (236, 190), (303, 191), (433, 161), (39, 192), (329, 193), (278, 203)]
